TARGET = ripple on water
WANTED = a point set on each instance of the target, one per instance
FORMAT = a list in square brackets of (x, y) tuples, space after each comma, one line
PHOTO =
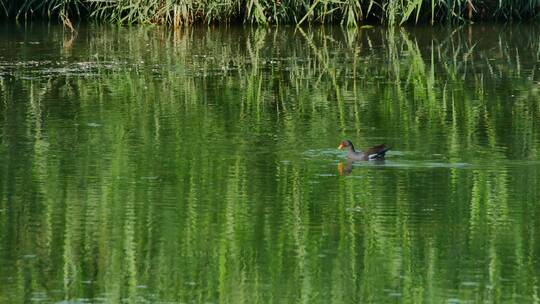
[(393, 159), (33, 69)]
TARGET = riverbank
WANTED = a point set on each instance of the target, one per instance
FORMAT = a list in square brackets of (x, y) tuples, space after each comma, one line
[(264, 12)]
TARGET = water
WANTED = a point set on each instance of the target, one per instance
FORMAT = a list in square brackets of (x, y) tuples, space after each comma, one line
[(140, 165)]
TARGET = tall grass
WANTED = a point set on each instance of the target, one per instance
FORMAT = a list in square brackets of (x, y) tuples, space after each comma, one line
[(347, 12)]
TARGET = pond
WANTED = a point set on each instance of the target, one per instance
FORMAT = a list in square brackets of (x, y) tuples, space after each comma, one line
[(141, 164)]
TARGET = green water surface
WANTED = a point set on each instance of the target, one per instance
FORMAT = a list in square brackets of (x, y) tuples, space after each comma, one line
[(146, 165)]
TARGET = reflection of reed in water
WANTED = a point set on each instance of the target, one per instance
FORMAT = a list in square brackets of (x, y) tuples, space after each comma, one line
[(275, 236)]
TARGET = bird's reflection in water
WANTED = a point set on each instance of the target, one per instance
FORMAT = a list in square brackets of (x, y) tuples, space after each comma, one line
[(347, 167)]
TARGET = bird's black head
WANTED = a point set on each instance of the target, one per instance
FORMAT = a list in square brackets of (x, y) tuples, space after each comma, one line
[(345, 144)]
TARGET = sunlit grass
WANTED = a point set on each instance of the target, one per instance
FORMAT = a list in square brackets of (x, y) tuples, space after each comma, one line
[(347, 12)]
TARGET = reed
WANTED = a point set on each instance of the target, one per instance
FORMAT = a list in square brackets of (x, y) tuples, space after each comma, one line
[(352, 13)]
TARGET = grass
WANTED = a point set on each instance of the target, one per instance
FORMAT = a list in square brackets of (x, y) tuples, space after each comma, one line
[(352, 13)]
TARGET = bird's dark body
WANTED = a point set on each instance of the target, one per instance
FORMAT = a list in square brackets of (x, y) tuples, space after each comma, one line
[(373, 153)]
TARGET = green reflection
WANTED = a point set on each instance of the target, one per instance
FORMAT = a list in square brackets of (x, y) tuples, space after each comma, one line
[(200, 166)]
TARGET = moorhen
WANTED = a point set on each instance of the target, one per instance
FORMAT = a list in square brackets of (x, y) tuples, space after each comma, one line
[(373, 153)]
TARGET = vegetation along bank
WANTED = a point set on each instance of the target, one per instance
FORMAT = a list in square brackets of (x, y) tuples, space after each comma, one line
[(346, 12)]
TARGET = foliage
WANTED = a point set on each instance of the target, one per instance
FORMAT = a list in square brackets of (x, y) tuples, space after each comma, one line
[(348, 12)]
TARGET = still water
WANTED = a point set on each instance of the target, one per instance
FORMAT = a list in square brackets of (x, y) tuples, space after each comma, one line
[(142, 165)]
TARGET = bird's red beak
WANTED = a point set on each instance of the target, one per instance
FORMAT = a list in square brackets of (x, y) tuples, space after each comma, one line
[(341, 145)]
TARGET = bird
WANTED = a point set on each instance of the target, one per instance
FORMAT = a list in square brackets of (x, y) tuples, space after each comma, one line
[(373, 153)]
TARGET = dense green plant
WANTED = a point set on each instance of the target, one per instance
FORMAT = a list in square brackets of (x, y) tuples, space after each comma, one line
[(349, 12)]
